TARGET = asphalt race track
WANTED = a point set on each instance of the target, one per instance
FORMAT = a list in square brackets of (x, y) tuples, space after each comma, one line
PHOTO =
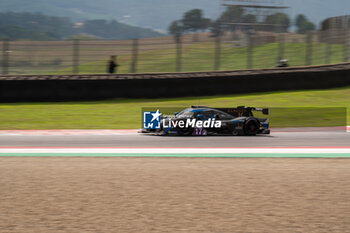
[(276, 139)]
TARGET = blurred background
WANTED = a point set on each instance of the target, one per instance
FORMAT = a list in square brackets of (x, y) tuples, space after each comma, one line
[(78, 37)]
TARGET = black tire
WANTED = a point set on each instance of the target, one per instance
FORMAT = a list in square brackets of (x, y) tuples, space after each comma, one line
[(235, 132), (251, 127)]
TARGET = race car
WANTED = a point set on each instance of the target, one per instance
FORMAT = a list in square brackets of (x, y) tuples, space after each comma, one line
[(202, 120)]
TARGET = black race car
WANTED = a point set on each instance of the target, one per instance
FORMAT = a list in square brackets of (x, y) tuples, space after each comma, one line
[(201, 120)]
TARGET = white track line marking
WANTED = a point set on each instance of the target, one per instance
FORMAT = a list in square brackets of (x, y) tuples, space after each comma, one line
[(68, 132), (176, 150)]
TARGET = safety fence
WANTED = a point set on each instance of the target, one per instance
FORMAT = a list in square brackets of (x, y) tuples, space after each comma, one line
[(192, 52)]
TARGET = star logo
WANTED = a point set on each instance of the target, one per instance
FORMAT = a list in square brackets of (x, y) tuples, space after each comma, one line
[(152, 120), (156, 115)]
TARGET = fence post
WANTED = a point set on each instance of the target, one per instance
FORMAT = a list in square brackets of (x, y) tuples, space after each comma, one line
[(135, 53), (250, 51), (309, 49), (346, 45), (217, 61), (280, 48), (328, 47), (178, 54), (5, 57), (76, 54)]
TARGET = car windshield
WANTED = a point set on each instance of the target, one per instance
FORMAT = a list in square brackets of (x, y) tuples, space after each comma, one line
[(185, 113)]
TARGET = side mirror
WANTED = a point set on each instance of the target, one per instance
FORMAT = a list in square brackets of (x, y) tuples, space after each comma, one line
[(176, 113), (217, 116)]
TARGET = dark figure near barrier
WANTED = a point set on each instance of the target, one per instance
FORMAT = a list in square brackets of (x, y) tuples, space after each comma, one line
[(283, 63), (112, 65)]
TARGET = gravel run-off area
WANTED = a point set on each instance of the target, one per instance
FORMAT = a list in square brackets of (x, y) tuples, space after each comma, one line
[(174, 195)]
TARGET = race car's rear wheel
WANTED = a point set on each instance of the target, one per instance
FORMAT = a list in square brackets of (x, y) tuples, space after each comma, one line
[(251, 127)]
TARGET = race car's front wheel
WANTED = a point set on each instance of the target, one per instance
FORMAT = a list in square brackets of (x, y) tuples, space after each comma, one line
[(251, 127), (235, 132)]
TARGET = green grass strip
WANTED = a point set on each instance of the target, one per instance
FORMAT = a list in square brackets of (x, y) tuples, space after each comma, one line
[(267, 155), (126, 113)]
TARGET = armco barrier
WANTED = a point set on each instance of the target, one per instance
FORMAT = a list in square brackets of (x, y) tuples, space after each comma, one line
[(95, 87)]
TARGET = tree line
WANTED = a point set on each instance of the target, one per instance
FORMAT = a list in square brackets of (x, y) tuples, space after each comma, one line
[(37, 26), (233, 18)]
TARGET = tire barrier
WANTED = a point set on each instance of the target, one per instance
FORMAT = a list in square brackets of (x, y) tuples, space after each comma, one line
[(28, 88)]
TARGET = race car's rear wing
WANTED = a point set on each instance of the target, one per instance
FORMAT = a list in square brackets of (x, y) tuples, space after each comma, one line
[(265, 111), (240, 111)]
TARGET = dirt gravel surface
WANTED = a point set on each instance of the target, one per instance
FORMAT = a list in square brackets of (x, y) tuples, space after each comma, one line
[(174, 195)]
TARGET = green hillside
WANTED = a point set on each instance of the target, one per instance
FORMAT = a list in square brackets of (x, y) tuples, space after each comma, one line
[(200, 57), (37, 26), (157, 13)]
